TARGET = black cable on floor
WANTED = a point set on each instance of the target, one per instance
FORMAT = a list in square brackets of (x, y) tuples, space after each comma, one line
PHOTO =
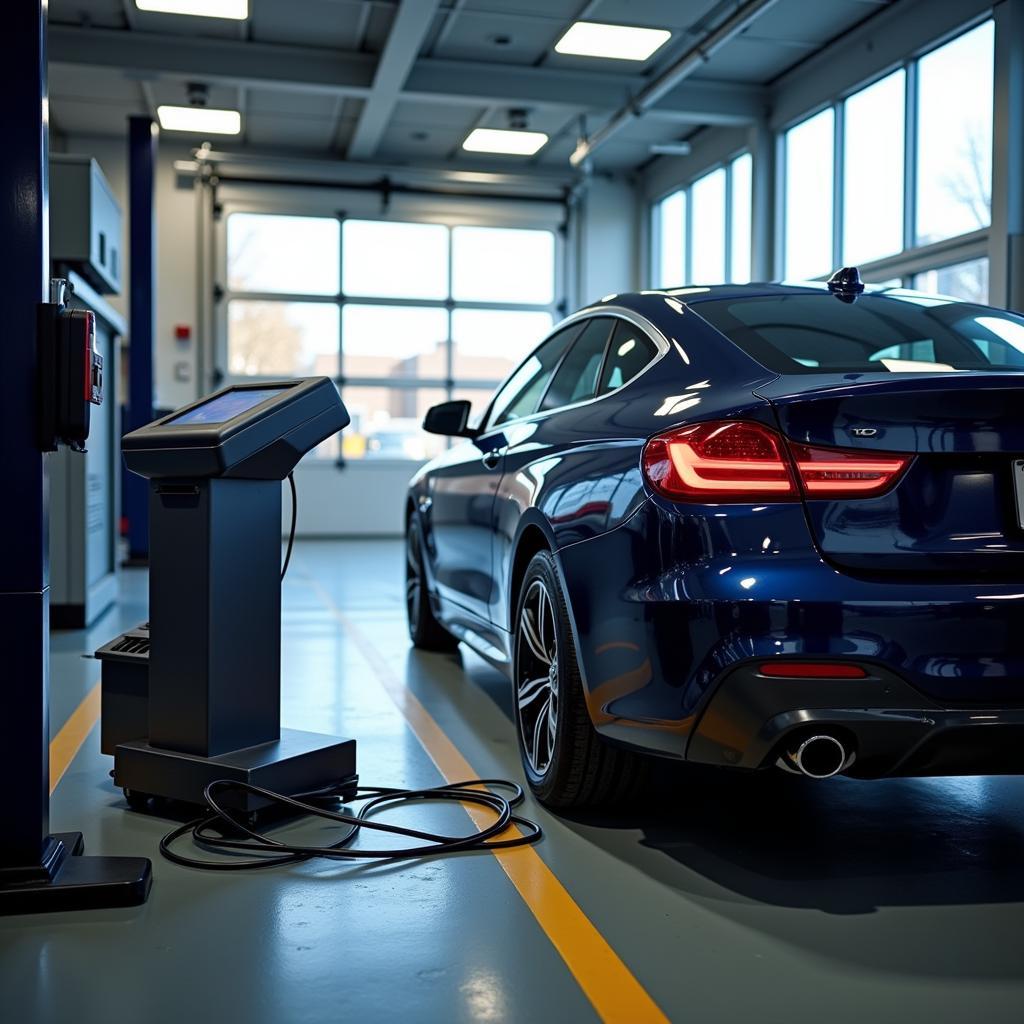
[(291, 532), (219, 830)]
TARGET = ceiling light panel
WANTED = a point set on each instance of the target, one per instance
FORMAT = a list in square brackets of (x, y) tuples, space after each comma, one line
[(199, 120), (617, 42), (235, 10), (501, 140)]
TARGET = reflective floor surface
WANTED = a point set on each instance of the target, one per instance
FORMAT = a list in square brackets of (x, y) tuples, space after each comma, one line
[(725, 897)]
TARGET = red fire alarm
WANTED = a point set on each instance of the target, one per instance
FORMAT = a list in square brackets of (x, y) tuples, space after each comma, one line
[(182, 332)]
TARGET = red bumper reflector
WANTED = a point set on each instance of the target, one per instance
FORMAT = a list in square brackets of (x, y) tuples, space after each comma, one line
[(811, 670)]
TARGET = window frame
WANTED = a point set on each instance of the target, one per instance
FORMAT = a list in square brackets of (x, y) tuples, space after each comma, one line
[(726, 164), (641, 323), (912, 258), (280, 200)]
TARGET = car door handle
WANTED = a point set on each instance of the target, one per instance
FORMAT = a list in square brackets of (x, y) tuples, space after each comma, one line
[(492, 458)]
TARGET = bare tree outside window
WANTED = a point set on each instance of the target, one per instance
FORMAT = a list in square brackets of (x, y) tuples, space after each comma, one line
[(263, 341), (969, 183)]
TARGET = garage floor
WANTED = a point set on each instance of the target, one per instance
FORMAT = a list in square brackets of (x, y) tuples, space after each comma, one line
[(724, 898)]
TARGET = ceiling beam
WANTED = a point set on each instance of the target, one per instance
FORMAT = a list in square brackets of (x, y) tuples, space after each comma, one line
[(408, 30), (219, 61), (330, 72), (697, 102)]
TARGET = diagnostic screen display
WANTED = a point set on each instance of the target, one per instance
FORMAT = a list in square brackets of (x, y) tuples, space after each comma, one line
[(225, 407)]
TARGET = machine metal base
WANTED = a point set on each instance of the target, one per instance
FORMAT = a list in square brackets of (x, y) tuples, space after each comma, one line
[(65, 880), (299, 762)]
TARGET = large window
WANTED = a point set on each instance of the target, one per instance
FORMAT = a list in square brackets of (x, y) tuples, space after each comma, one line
[(967, 280), (741, 198), (708, 244), (897, 194), (402, 314), (954, 137), (810, 147), (873, 121), (670, 232), (702, 232)]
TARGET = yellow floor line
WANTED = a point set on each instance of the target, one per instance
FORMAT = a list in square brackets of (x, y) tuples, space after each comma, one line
[(72, 735), (606, 981)]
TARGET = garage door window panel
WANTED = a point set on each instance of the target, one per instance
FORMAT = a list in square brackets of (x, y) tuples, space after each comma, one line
[(387, 422), (394, 310), (488, 343), (503, 265), (404, 342), (283, 254), (392, 259), (282, 339)]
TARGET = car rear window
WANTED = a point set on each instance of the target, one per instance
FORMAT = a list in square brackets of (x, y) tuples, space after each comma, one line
[(891, 331)]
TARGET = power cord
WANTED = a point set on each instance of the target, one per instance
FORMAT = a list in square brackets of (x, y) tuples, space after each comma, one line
[(291, 532), (217, 830), (214, 831)]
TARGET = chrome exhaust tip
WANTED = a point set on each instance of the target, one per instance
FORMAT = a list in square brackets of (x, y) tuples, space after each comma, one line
[(819, 756)]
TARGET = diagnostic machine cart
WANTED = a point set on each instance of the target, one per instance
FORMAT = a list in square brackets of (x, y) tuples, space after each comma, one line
[(196, 697)]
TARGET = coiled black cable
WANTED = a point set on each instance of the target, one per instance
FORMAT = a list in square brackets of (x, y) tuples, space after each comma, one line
[(217, 831)]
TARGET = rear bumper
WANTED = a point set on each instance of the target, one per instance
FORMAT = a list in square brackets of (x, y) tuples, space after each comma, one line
[(669, 604), (750, 720)]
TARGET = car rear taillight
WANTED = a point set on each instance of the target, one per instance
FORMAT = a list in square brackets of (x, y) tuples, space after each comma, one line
[(729, 460), (837, 473), (741, 461)]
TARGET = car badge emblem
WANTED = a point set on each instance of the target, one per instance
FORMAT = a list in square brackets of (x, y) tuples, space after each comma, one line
[(864, 431)]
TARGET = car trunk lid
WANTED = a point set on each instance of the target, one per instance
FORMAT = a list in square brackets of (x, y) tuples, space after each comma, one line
[(954, 512)]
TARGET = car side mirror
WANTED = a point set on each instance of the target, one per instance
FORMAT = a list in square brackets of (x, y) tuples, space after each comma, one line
[(449, 419)]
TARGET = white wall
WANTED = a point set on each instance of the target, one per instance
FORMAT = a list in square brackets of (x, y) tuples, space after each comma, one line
[(607, 240), (175, 258), (363, 499)]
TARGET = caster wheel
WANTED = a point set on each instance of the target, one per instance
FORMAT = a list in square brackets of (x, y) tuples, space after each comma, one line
[(136, 801)]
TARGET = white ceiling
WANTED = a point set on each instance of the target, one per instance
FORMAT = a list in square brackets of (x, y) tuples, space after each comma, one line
[(303, 71)]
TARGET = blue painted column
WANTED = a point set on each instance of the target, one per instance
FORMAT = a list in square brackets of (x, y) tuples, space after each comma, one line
[(142, 147), (24, 568), (38, 871)]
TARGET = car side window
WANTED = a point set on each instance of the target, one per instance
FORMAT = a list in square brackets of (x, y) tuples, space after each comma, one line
[(576, 378), (630, 351), (522, 393)]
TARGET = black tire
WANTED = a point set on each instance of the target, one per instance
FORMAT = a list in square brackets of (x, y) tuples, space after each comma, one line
[(425, 631), (570, 766)]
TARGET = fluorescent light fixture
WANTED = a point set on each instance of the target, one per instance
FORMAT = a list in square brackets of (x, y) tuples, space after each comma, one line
[(236, 10), (619, 42), (669, 148), (200, 120), (504, 140)]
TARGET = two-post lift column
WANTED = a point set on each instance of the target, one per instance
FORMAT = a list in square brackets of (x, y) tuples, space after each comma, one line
[(38, 871)]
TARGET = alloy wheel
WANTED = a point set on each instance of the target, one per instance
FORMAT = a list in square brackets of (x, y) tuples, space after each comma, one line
[(537, 676)]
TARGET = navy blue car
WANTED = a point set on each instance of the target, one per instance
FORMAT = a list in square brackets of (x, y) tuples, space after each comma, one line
[(747, 526)]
